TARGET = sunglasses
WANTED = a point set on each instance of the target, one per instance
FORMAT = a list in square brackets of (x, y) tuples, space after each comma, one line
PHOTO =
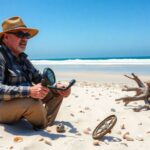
[(21, 34)]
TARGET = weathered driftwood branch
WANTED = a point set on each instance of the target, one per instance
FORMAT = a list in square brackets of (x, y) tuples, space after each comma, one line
[(142, 92)]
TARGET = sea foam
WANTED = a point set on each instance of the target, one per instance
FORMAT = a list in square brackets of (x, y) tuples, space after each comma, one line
[(93, 62)]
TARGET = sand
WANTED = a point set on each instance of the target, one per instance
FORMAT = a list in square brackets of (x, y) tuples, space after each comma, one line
[(89, 103)]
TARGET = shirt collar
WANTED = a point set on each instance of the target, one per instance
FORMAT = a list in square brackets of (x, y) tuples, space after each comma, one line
[(21, 55)]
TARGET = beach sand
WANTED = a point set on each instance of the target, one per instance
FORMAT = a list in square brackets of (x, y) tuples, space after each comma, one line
[(92, 100)]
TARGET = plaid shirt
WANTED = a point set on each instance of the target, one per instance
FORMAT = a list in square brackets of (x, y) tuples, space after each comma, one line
[(16, 75)]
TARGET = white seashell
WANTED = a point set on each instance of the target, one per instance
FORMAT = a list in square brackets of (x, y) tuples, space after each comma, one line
[(128, 138), (85, 131), (48, 129), (116, 139), (139, 138), (106, 141), (125, 134)]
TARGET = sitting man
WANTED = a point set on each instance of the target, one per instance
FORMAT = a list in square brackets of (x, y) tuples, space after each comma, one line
[(21, 93)]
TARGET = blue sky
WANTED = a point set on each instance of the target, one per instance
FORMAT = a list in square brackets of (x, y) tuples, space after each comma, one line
[(84, 28)]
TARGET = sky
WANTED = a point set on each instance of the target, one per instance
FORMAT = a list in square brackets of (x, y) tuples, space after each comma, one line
[(83, 28)]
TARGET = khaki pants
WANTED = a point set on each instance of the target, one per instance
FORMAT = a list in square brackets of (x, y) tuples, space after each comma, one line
[(31, 109)]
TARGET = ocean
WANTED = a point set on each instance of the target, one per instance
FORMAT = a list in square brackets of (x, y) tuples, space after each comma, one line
[(140, 65)]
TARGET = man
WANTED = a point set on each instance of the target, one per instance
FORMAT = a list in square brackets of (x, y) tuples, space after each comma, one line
[(21, 93)]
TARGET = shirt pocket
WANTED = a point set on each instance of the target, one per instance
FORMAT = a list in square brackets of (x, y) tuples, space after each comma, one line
[(14, 78)]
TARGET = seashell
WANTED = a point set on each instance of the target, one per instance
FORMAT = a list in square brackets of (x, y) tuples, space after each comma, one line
[(112, 110), (18, 139), (41, 139), (127, 137), (85, 131), (139, 138), (72, 114), (106, 141), (60, 128), (123, 126), (125, 134), (116, 139), (48, 129), (48, 142), (81, 111), (96, 143), (11, 147), (98, 119), (148, 131), (88, 129)]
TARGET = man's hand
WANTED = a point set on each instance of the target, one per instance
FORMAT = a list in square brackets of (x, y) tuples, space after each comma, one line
[(65, 93), (38, 91)]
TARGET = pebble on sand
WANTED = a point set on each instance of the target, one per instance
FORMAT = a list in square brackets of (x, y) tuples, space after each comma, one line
[(96, 143), (48, 142)]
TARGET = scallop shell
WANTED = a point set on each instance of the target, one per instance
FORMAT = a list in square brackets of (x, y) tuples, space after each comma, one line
[(128, 138), (125, 134), (18, 139)]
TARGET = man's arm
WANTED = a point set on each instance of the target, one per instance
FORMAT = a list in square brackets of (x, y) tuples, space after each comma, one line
[(9, 92)]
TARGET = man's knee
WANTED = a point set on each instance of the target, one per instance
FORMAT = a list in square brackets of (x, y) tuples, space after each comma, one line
[(37, 115)]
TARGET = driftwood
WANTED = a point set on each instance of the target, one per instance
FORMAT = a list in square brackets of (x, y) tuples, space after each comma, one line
[(142, 93)]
